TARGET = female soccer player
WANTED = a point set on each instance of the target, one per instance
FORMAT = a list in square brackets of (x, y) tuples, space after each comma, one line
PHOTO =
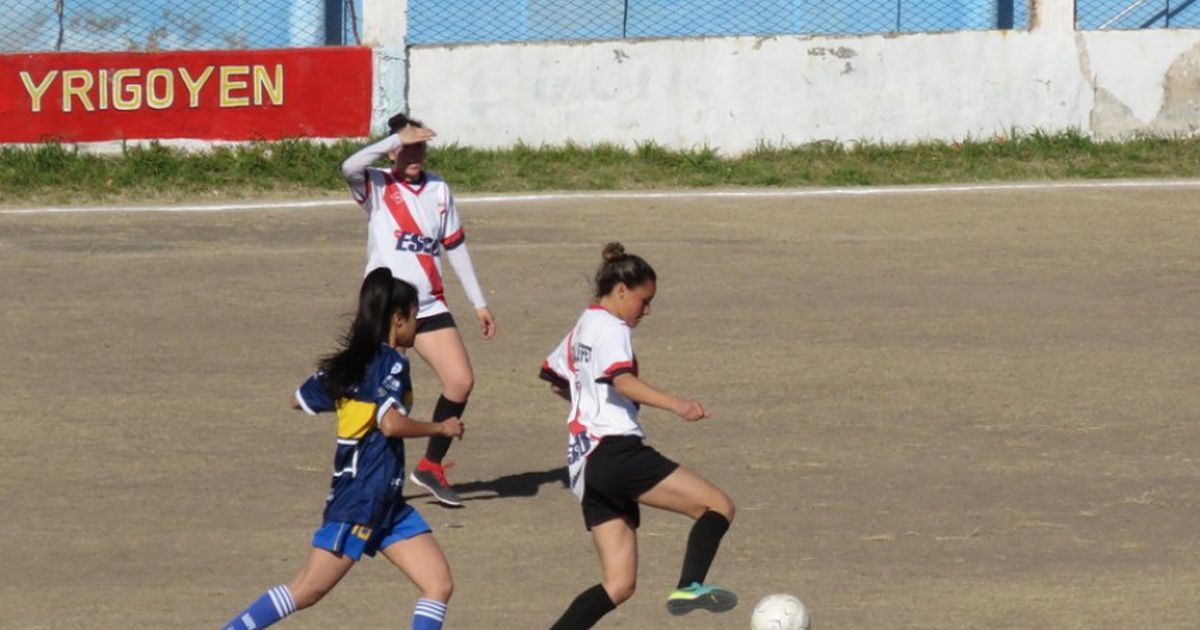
[(411, 218), (367, 383), (611, 470)]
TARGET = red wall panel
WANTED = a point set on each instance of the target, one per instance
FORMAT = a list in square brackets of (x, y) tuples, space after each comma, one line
[(209, 95)]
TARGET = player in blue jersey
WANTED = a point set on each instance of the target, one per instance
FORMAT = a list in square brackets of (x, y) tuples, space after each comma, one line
[(367, 384)]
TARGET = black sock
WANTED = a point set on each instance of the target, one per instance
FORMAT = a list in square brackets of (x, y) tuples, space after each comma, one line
[(586, 610), (702, 547), (439, 444)]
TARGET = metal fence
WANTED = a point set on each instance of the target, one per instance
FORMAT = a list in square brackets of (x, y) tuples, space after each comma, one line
[(118, 25), (465, 21), (1103, 15)]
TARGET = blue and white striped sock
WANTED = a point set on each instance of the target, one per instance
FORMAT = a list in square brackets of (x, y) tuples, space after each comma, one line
[(429, 615), (274, 605)]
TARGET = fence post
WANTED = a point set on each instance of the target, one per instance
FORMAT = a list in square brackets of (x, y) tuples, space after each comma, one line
[(385, 30), (333, 22), (1004, 14)]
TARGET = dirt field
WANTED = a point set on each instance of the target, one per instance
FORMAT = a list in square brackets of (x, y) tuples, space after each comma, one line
[(946, 411)]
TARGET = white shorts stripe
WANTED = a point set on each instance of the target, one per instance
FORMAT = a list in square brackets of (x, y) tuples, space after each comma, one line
[(248, 621)]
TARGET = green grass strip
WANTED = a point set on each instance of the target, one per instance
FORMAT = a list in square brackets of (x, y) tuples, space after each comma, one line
[(54, 173)]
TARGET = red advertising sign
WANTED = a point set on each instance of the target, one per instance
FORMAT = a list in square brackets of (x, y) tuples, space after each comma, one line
[(209, 95)]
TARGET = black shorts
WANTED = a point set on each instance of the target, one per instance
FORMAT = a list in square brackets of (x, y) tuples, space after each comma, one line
[(435, 322), (619, 471)]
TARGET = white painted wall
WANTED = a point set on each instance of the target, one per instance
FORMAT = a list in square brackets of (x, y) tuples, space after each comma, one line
[(734, 93)]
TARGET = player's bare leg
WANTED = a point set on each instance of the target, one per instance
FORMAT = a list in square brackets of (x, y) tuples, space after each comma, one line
[(320, 573), (616, 544), (421, 559), (323, 570), (685, 492), (444, 352)]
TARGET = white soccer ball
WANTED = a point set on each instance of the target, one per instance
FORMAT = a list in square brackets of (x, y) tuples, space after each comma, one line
[(779, 612)]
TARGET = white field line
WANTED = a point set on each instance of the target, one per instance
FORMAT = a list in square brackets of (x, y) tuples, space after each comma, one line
[(784, 193)]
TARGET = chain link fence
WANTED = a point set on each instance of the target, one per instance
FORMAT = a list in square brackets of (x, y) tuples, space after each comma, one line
[(466, 21), (119, 25), (1101, 15), (153, 25)]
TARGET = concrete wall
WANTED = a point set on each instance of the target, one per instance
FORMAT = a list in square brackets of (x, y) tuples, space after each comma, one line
[(734, 93)]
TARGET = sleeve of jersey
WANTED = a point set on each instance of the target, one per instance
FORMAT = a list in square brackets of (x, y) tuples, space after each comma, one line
[(313, 397), (354, 169), (614, 355), (460, 260), (452, 229), (554, 367), (395, 392)]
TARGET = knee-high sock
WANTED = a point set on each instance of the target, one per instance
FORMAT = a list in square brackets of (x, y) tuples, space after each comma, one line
[(272, 606), (429, 615), (439, 444), (586, 610), (702, 547)]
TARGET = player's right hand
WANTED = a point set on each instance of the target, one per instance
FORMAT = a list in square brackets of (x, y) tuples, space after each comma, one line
[(452, 428), (691, 410), (415, 135)]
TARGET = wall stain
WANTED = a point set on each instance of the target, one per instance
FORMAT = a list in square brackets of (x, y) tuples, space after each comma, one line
[(1180, 111), (841, 52), (1179, 114)]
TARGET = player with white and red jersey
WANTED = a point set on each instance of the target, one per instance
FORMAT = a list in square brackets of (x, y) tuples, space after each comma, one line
[(596, 351), (611, 470), (411, 220)]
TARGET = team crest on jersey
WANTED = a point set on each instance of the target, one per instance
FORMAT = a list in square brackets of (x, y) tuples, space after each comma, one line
[(416, 243), (581, 353)]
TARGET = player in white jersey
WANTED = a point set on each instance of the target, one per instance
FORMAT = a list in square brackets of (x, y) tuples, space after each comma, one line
[(411, 219), (611, 469)]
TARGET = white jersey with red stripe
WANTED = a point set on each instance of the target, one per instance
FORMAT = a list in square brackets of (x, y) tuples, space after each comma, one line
[(407, 227), (596, 351)]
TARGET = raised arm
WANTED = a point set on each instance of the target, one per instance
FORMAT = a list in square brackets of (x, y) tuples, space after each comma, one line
[(354, 169), (643, 393)]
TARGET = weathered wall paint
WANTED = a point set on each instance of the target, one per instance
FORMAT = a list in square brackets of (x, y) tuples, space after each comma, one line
[(734, 93)]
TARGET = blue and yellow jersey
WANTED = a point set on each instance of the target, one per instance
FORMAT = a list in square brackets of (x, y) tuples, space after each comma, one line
[(368, 467)]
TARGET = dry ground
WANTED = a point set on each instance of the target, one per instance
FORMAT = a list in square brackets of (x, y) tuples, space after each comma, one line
[(934, 411)]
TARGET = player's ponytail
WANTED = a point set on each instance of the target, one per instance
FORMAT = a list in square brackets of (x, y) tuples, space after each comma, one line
[(380, 297), (620, 267)]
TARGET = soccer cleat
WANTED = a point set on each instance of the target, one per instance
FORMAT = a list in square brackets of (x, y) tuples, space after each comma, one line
[(707, 596), (432, 477)]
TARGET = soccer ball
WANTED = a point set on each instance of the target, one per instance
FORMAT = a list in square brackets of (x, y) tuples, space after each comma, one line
[(779, 612)]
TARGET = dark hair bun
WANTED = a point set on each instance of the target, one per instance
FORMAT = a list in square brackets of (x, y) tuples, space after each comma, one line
[(400, 121), (613, 252), (397, 122)]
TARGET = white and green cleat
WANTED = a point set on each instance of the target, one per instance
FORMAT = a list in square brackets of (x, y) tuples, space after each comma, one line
[(710, 597)]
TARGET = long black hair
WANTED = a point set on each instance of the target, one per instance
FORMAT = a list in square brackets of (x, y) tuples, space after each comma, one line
[(380, 297), (620, 267)]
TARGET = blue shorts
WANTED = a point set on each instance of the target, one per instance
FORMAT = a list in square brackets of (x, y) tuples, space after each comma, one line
[(351, 540)]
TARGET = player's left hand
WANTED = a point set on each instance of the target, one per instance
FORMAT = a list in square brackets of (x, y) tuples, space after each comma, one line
[(486, 322)]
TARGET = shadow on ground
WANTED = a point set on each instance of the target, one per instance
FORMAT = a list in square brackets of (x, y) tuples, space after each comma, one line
[(524, 484)]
